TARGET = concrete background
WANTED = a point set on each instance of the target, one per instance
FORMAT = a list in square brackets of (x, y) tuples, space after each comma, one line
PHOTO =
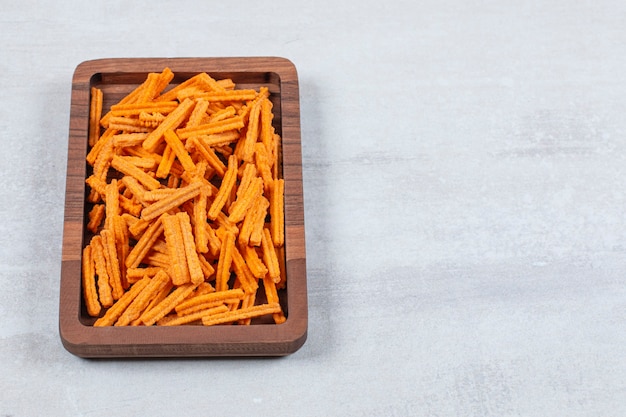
[(464, 177)]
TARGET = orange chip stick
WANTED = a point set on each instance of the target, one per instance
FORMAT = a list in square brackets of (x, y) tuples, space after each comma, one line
[(171, 122), (272, 297), (255, 264), (198, 315), (199, 111), (168, 304), (136, 189), (230, 178), (269, 256), (179, 149), (173, 93), (96, 215), (277, 212), (122, 238), (254, 220), (90, 292), (176, 199), (201, 234), (142, 299), (113, 313), (213, 240), (252, 133), (176, 248), (160, 296), (220, 126), (112, 263), (212, 297), (243, 202), (242, 313), (111, 201), (267, 130), (144, 244), (125, 167), (229, 95), (166, 162), (104, 288), (245, 276), (191, 255), (209, 155), (95, 113), (134, 109), (224, 262), (97, 148)]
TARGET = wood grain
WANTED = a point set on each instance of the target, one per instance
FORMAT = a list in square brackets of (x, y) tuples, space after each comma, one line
[(117, 77)]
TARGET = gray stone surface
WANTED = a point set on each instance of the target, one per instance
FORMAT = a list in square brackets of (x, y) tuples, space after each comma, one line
[(465, 181)]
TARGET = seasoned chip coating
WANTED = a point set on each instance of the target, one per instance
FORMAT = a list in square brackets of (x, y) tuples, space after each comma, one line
[(90, 292)]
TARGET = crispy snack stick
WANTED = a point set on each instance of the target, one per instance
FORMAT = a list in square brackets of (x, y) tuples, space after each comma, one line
[(220, 126), (171, 122), (160, 296), (277, 212), (97, 149), (243, 273), (134, 109), (144, 244), (191, 317), (222, 114), (269, 256), (127, 124), (173, 93), (126, 140), (222, 274), (271, 294), (252, 133), (142, 162), (251, 193), (96, 216), (135, 274), (122, 238), (252, 227), (217, 296), (191, 255), (179, 149), (138, 93), (95, 113), (166, 162), (201, 234), (243, 313), (142, 299), (150, 120), (168, 304), (230, 177), (229, 95), (255, 264), (125, 167), (218, 139), (267, 129), (176, 199), (90, 292), (111, 201), (104, 288), (176, 248), (136, 189), (113, 313), (112, 263), (209, 155), (198, 113), (103, 160)]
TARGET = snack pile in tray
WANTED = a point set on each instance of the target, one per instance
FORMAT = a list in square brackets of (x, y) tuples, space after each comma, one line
[(186, 206)]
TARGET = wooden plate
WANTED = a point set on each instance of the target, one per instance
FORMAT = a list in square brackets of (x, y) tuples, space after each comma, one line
[(117, 77)]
